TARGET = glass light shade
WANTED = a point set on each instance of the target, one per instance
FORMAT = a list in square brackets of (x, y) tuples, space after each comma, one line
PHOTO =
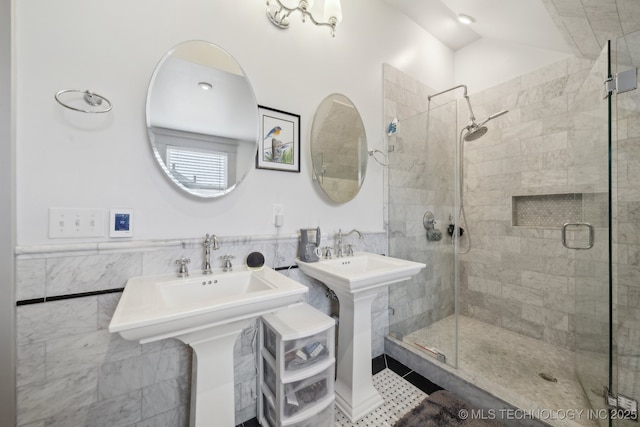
[(332, 8), (291, 4)]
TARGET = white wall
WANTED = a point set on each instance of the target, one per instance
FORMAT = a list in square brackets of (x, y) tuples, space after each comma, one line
[(68, 159), (7, 219), (488, 62)]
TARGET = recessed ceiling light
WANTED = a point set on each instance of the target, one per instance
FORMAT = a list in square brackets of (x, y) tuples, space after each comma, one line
[(205, 86), (466, 19)]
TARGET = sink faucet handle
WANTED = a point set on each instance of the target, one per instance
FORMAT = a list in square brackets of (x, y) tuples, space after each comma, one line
[(227, 266), (182, 262), (327, 252), (349, 249)]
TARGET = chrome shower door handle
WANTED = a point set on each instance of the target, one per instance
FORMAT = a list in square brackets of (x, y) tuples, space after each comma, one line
[(577, 224)]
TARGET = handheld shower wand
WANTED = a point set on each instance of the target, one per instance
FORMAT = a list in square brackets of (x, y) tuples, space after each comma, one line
[(473, 131)]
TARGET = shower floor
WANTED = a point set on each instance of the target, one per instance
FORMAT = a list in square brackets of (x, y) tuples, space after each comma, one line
[(508, 365)]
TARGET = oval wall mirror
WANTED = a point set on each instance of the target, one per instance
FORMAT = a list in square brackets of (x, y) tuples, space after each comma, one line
[(338, 148), (202, 119)]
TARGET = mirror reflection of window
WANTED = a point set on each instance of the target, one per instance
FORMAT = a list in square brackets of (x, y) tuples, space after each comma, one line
[(198, 169), (202, 119), (193, 160)]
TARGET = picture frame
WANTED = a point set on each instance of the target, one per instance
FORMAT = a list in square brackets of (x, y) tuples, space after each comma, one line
[(279, 141)]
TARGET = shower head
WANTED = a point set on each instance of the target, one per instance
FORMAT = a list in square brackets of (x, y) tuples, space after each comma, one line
[(477, 130), (474, 132)]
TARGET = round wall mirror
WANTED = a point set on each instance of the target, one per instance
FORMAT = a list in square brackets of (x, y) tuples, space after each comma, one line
[(202, 119), (338, 148)]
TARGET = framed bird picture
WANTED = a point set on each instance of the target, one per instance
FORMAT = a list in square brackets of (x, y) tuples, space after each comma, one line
[(279, 142)]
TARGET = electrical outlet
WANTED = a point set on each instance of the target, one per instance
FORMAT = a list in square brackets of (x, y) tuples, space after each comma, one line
[(278, 215), (76, 222)]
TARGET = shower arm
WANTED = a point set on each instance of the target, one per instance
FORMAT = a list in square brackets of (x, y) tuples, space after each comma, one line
[(448, 90), (472, 117)]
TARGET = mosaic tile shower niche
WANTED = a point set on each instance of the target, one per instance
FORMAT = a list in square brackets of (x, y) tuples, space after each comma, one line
[(554, 210)]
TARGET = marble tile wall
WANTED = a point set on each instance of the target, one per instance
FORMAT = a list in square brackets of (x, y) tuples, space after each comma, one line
[(523, 278), (72, 372)]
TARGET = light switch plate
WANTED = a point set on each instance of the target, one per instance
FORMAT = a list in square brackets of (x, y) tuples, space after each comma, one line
[(65, 223)]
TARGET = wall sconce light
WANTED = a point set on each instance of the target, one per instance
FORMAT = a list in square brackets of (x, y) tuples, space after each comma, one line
[(278, 13)]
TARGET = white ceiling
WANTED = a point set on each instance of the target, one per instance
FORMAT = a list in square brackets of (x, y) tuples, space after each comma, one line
[(525, 22)]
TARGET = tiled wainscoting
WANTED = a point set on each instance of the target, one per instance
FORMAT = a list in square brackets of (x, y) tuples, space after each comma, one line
[(72, 372)]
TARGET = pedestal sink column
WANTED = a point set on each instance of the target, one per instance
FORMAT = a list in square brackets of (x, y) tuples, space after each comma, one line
[(355, 394), (212, 379)]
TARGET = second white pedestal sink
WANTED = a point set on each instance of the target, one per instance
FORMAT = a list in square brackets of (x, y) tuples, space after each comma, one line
[(356, 280), (207, 312)]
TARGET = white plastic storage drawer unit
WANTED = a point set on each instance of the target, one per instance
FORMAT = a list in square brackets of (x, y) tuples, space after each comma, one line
[(321, 415), (296, 368)]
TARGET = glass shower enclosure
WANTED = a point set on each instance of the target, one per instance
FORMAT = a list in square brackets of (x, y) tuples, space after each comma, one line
[(552, 200)]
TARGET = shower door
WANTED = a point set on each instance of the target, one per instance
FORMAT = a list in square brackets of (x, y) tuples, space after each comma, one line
[(421, 195), (588, 237), (626, 321)]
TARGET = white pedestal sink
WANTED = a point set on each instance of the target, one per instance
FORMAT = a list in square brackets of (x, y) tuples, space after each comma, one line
[(356, 280), (207, 312)]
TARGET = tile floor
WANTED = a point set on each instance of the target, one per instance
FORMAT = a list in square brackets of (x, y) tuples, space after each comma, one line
[(402, 389), (508, 365), (400, 397)]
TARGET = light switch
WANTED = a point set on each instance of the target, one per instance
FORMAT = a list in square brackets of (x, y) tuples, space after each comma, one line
[(76, 222)]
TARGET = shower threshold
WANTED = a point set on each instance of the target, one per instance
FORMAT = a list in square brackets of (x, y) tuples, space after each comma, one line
[(499, 369)]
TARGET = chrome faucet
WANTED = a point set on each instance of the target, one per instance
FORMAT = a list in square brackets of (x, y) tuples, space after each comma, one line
[(182, 262), (210, 242), (339, 245)]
